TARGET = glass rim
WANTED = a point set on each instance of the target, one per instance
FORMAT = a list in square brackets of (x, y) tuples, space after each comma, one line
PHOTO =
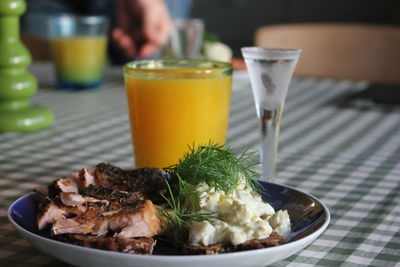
[(189, 21), (89, 19), (180, 66), (258, 52)]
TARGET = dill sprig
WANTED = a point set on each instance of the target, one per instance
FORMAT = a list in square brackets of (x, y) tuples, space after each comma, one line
[(216, 165), (181, 210)]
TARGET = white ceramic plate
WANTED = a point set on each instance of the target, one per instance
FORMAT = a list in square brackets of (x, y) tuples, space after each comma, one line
[(308, 215)]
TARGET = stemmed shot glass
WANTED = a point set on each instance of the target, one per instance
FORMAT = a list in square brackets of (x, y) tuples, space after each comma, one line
[(270, 71)]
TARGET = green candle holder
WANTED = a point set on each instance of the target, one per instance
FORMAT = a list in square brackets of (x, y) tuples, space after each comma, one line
[(17, 85)]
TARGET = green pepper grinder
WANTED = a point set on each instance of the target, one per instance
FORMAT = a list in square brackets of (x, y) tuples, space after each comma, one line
[(17, 85)]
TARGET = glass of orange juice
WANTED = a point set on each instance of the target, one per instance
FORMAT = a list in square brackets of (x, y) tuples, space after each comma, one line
[(78, 47), (174, 105)]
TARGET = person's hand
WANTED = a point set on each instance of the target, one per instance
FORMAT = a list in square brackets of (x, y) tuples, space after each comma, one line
[(143, 26)]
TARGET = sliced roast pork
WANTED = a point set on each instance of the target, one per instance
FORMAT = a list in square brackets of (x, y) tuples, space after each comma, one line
[(50, 211), (62, 185), (74, 199), (105, 207), (127, 221), (143, 181), (112, 195), (149, 181), (141, 220)]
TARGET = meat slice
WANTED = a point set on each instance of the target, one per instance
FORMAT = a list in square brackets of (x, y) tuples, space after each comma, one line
[(100, 227), (142, 221), (51, 211), (74, 199), (82, 224), (149, 181), (62, 185), (110, 176), (86, 177), (111, 195), (72, 183), (71, 226), (138, 245), (143, 182), (93, 225), (128, 221)]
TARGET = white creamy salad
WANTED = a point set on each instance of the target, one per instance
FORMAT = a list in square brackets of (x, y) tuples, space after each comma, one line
[(240, 216)]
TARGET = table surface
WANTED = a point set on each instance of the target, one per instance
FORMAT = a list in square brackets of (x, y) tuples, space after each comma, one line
[(348, 157)]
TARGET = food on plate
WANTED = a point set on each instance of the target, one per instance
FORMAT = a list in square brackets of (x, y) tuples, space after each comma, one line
[(208, 203), (104, 207), (239, 217), (216, 206)]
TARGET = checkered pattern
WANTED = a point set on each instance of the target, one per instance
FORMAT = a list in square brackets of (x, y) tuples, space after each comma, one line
[(347, 157)]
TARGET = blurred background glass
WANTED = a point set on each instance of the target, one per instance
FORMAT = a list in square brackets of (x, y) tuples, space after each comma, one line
[(185, 39), (78, 48)]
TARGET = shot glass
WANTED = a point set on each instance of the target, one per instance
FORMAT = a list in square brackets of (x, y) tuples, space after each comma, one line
[(175, 105), (270, 71), (78, 48)]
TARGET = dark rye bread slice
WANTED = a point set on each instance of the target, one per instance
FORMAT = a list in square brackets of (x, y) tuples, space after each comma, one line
[(137, 245), (274, 239)]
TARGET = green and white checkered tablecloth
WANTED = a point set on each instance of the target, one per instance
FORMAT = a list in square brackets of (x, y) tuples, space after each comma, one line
[(347, 157)]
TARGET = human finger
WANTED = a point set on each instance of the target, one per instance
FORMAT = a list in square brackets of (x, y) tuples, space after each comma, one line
[(159, 33), (124, 41), (147, 49)]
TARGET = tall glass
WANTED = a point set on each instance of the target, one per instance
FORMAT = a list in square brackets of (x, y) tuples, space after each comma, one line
[(270, 71), (175, 104)]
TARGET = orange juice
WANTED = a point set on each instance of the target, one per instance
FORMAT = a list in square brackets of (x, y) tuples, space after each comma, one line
[(170, 113), (79, 59)]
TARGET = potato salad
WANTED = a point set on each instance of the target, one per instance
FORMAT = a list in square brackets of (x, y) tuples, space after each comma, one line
[(239, 216)]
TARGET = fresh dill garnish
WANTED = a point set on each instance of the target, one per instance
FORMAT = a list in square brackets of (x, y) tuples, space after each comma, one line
[(181, 210), (217, 166)]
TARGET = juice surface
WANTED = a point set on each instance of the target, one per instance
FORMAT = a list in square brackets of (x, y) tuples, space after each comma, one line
[(79, 59), (168, 115)]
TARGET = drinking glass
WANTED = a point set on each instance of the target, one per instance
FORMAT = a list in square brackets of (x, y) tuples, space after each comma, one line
[(174, 105), (185, 39), (78, 47), (270, 71)]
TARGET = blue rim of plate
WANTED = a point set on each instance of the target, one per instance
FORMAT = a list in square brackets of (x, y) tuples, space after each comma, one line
[(309, 219)]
